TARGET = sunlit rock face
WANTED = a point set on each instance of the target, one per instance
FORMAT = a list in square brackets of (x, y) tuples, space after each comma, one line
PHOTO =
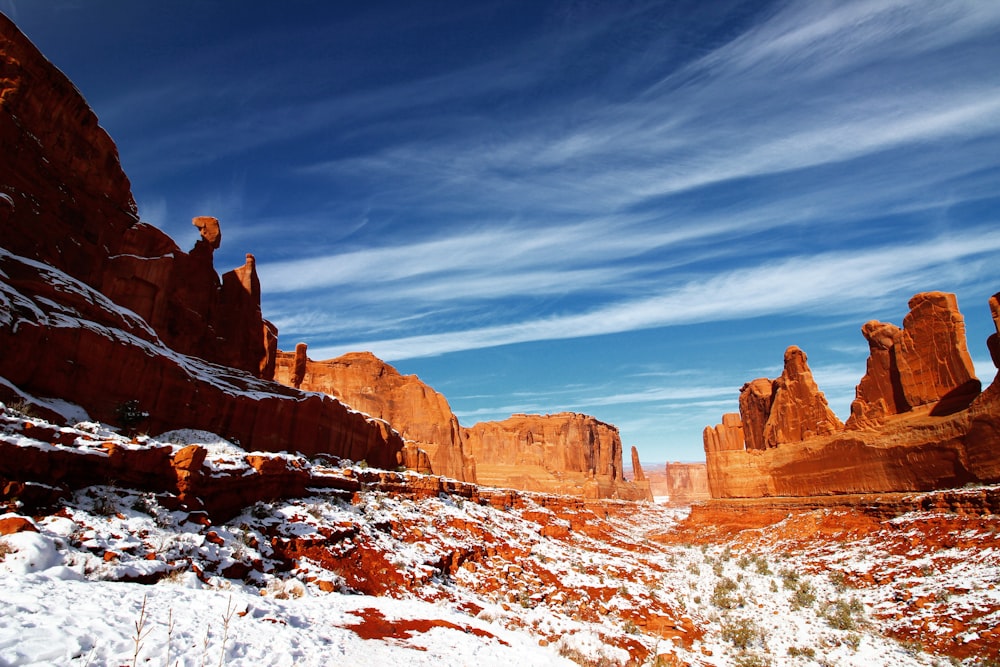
[(561, 453), (687, 483), (98, 308), (918, 423), (925, 362), (368, 384)]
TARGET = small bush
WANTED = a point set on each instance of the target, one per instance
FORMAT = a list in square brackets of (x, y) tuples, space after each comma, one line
[(129, 415), (741, 633), (5, 549), (629, 627), (724, 595), (789, 579), (803, 596), (762, 566), (806, 652), (22, 407), (751, 660), (842, 615)]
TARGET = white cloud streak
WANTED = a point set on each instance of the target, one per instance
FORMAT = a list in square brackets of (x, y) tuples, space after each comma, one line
[(830, 282)]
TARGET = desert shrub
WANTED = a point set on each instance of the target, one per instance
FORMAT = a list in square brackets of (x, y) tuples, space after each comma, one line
[(129, 415), (5, 549), (741, 632), (22, 407), (105, 503), (629, 627), (844, 615), (579, 658), (839, 580), (789, 579), (751, 660), (743, 562), (694, 569), (724, 594), (803, 596), (806, 652), (762, 566)]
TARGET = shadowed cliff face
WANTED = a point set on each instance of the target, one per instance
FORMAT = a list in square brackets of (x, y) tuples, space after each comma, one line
[(98, 308), (918, 423)]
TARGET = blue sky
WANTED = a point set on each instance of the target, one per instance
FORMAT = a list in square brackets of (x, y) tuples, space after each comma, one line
[(625, 209)]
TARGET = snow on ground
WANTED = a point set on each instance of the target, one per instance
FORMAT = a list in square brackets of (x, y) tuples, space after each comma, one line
[(115, 578)]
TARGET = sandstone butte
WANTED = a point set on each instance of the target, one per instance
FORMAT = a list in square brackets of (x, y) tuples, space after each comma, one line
[(687, 483), (99, 309), (565, 453), (918, 422)]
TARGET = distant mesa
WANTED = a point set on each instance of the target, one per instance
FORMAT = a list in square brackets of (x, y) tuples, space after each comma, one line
[(918, 422), (565, 453)]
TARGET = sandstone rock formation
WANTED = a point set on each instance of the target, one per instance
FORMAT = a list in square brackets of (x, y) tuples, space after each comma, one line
[(637, 474), (925, 362), (792, 409), (73, 253), (729, 434), (561, 453), (917, 423), (366, 383), (687, 483), (69, 205)]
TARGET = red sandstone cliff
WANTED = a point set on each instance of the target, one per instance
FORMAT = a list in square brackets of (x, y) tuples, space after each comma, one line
[(918, 422), (187, 345), (366, 383), (561, 453), (687, 483)]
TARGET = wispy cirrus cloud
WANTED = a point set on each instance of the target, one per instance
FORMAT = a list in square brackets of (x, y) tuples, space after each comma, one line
[(828, 282)]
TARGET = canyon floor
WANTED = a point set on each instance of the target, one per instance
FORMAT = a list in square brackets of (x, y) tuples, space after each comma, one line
[(114, 576)]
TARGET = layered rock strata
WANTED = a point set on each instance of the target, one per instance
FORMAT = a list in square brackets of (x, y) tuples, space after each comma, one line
[(561, 453), (102, 310), (687, 483), (918, 423), (68, 204), (366, 383)]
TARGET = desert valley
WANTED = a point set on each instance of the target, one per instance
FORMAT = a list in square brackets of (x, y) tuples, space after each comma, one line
[(176, 490)]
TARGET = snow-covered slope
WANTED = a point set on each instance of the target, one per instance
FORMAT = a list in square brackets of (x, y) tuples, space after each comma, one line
[(390, 576)]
